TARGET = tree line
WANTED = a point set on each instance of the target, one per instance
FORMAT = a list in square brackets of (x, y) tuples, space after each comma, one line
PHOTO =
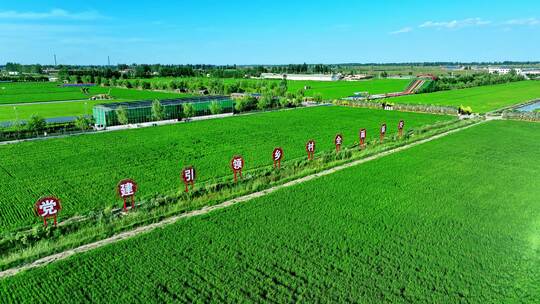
[(471, 80)]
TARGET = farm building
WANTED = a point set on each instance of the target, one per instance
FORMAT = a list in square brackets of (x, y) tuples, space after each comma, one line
[(105, 115)]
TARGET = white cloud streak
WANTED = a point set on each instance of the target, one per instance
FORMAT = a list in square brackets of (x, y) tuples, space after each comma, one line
[(404, 30), (525, 22), (455, 24), (54, 14)]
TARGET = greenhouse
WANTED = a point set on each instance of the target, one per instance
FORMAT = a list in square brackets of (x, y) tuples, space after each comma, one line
[(105, 115)]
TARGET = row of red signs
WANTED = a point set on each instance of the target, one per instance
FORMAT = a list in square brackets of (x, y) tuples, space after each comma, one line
[(49, 207)]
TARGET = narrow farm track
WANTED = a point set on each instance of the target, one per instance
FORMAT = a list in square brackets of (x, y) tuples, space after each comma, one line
[(144, 229)]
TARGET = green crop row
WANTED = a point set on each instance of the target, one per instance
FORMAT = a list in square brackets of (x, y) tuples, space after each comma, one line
[(453, 220), (83, 170)]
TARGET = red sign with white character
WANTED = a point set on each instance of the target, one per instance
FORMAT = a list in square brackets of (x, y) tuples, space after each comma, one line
[(188, 175), (277, 155), (338, 141), (401, 124), (363, 134), (127, 188), (48, 207), (383, 131), (310, 148), (237, 164)]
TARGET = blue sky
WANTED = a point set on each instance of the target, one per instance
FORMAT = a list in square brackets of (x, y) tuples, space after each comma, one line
[(268, 32)]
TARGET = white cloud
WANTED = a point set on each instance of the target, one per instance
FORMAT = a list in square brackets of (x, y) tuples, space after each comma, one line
[(52, 14), (526, 21), (402, 31), (455, 24)]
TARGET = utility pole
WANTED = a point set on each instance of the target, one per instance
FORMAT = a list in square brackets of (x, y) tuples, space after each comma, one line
[(55, 60), (109, 60)]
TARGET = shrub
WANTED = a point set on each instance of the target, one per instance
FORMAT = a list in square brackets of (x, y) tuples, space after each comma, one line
[(83, 123), (157, 110), (265, 102), (189, 110), (318, 97), (215, 107), (36, 124), (121, 115), (465, 110), (246, 103)]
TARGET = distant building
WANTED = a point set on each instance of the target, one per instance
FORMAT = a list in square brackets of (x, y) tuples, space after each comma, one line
[(127, 71), (316, 77), (531, 72), (50, 71), (454, 68), (13, 73), (357, 77), (503, 70)]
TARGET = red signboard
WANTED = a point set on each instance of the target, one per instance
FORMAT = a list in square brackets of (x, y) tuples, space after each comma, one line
[(127, 188), (277, 155), (383, 131), (310, 148), (188, 176), (363, 134), (401, 124), (237, 164), (338, 141), (48, 207)]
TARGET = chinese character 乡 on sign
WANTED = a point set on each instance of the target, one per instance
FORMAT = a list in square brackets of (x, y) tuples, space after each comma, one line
[(310, 146), (277, 155), (338, 140), (48, 208)]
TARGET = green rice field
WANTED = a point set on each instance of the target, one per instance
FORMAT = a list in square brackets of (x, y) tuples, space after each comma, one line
[(480, 99), (22, 100), (331, 90), (84, 170), (455, 220), (25, 92), (50, 109)]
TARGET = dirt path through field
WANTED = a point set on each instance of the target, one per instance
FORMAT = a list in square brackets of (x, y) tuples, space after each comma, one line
[(143, 229)]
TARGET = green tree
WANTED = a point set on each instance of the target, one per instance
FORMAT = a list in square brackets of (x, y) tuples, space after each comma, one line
[(121, 115), (63, 74), (157, 110), (296, 101), (145, 85), (83, 123), (36, 124), (18, 126), (189, 110), (318, 97), (215, 107), (246, 103), (283, 87), (283, 102), (265, 102)]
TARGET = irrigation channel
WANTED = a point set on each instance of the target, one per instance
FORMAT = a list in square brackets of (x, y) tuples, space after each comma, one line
[(530, 107), (171, 220)]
